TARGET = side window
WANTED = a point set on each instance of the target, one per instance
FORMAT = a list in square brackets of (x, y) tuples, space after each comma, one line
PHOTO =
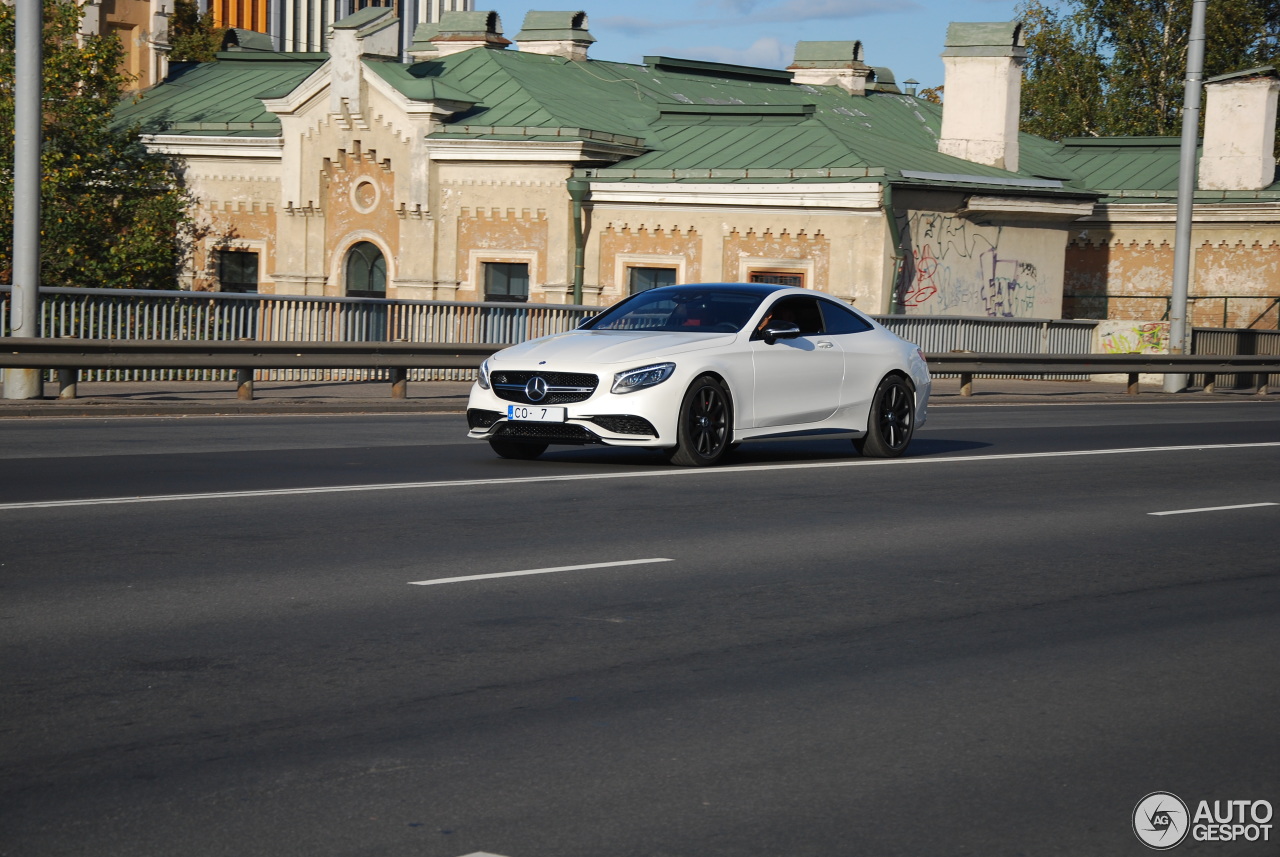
[(802, 310), (506, 281), (841, 320)]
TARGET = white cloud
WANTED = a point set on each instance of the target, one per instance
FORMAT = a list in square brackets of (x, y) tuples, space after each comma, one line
[(767, 52), (748, 12)]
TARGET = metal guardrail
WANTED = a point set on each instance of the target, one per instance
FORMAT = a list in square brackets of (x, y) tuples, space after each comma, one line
[(70, 356), (1260, 366)]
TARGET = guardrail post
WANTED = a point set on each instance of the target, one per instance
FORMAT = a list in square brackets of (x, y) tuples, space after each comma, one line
[(966, 383), (244, 385), (1210, 381), (1263, 380), (399, 383), (1133, 384), (67, 379)]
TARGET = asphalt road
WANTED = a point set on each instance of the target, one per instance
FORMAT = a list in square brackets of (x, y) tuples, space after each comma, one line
[(992, 646)]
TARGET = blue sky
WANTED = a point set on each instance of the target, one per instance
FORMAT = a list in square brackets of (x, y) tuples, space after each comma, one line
[(905, 35)]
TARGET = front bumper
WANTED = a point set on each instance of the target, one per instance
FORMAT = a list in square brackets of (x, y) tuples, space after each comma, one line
[(641, 419)]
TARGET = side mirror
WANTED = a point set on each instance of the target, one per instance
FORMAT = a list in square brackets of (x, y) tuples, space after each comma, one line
[(778, 329)]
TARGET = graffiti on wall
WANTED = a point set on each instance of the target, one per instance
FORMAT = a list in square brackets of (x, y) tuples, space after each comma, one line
[(1133, 337), (954, 267)]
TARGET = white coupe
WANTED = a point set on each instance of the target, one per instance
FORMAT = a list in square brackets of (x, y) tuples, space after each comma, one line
[(697, 369)]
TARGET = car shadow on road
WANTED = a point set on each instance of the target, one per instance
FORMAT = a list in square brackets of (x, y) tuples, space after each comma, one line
[(769, 452)]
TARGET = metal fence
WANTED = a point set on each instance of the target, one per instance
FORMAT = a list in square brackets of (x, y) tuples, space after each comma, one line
[(125, 314), (222, 316), (1216, 341)]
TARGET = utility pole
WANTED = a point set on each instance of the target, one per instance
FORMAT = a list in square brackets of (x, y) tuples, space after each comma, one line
[(1179, 332), (24, 307)]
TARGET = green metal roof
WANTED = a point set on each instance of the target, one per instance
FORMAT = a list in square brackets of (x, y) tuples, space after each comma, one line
[(687, 121), (222, 98)]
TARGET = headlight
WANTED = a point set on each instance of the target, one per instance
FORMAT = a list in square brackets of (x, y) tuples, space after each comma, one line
[(483, 380), (645, 376)]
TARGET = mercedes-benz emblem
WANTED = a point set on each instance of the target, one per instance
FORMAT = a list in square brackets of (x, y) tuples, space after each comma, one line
[(536, 389)]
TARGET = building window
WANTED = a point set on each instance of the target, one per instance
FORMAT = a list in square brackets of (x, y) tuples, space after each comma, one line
[(506, 281), (643, 279), (237, 271), (366, 271), (780, 278)]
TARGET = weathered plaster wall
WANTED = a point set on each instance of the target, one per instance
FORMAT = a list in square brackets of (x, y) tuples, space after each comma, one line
[(502, 212), (623, 247), (957, 267), (1128, 274), (841, 253), (356, 195), (501, 235)]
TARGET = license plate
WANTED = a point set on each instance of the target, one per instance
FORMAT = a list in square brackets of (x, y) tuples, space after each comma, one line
[(535, 414)]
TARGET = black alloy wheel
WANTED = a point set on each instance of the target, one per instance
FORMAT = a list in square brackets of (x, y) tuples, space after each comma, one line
[(705, 428), (507, 448), (892, 420)]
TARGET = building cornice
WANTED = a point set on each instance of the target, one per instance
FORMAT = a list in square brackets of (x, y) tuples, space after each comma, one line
[(1028, 207), (846, 197), (1166, 213), (257, 148)]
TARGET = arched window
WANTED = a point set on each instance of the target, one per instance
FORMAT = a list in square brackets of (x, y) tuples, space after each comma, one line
[(366, 271)]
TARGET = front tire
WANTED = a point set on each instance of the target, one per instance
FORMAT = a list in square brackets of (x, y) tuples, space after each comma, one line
[(704, 431), (891, 421), (516, 449)]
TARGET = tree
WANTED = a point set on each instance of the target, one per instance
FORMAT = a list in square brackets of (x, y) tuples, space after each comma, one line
[(113, 214), (193, 36), (1116, 67)]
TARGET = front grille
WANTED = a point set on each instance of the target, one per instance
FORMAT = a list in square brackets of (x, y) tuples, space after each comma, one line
[(549, 432), (562, 387), (625, 424), (479, 418)]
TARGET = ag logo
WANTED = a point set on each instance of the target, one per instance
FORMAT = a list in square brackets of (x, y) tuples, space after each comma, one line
[(1160, 820)]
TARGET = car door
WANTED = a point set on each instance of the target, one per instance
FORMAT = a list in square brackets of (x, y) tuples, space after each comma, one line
[(796, 380), (864, 354)]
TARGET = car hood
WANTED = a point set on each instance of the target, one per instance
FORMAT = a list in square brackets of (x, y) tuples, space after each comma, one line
[(607, 347)]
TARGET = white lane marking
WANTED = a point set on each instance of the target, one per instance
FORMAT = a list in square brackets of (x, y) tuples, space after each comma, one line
[(1214, 509), (537, 571), (630, 474)]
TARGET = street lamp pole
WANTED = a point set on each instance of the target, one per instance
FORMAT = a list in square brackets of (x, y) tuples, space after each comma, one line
[(1178, 329), (24, 307)]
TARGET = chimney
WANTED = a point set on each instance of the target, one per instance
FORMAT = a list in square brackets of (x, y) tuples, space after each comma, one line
[(831, 64), (373, 31), (882, 80), (983, 65), (557, 34), (1240, 130), (457, 32)]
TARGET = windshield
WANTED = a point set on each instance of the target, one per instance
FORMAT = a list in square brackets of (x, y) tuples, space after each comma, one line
[(683, 310)]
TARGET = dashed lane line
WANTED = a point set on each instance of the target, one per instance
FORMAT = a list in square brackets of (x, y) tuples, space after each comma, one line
[(537, 571), (630, 474), (1213, 509)]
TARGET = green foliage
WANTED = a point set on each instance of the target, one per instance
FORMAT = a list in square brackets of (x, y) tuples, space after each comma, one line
[(113, 215), (193, 36), (1116, 67)]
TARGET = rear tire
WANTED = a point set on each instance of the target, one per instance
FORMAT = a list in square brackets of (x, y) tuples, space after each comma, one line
[(507, 448), (704, 431), (891, 421)]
